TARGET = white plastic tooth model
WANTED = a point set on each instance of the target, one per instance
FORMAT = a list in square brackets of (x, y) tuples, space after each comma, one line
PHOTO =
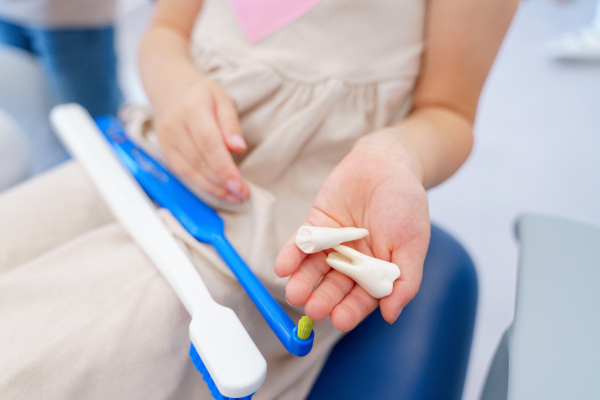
[(312, 239), (375, 276)]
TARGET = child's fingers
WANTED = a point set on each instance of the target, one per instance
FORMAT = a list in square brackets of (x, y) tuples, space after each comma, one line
[(302, 282), (188, 161), (219, 167), (405, 288), (332, 289), (289, 258), (392, 305), (229, 122), (183, 167), (353, 309), (183, 157)]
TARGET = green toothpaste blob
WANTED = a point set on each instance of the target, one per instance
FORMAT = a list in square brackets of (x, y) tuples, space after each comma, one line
[(305, 326)]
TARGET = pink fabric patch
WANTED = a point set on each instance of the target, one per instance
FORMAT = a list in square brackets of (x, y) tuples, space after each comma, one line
[(260, 18)]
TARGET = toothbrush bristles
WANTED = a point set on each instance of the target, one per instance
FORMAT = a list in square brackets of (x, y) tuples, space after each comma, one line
[(197, 361)]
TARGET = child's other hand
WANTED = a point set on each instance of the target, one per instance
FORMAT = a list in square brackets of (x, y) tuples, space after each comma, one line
[(197, 129), (375, 187)]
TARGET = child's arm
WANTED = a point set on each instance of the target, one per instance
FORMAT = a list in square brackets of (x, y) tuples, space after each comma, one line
[(380, 185), (196, 121)]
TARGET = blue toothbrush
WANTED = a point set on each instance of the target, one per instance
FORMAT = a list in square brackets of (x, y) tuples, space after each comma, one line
[(205, 225), (221, 349)]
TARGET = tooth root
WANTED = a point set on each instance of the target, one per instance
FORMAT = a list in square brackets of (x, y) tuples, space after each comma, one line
[(340, 263), (312, 239), (354, 255), (375, 276)]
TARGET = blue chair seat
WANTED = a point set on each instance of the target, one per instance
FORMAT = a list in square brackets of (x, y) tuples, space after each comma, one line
[(425, 353)]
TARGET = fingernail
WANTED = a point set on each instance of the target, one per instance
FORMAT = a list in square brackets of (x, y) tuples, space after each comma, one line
[(231, 199), (289, 302), (237, 141), (235, 188)]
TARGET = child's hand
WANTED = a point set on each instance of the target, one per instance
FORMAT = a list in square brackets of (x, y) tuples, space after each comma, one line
[(197, 129), (375, 187)]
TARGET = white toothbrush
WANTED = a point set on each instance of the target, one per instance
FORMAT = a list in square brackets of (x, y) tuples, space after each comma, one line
[(232, 359)]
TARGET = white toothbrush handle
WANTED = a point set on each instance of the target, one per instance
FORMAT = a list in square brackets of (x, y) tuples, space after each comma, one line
[(128, 202), (230, 355)]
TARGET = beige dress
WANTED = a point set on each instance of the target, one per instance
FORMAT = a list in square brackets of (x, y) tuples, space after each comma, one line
[(85, 315)]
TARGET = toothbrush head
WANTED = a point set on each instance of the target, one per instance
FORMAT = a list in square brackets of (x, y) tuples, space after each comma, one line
[(223, 351)]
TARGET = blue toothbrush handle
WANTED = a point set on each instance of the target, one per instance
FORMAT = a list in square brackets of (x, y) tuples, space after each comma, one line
[(168, 192), (281, 324)]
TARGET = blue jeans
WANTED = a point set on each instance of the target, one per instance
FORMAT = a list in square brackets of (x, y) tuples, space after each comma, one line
[(80, 64)]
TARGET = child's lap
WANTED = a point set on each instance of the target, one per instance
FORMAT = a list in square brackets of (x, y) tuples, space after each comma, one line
[(94, 319), (85, 314), (47, 211), (90, 319)]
